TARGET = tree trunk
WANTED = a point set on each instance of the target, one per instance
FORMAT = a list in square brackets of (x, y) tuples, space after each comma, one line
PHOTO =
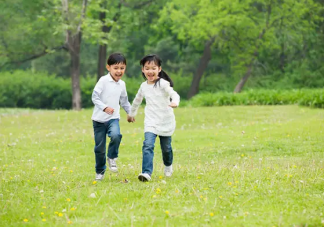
[(75, 74), (73, 42), (102, 47), (240, 85), (282, 58), (203, 63), (102, 60)]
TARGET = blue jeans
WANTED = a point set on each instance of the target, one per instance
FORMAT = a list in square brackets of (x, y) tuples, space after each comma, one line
[(101, 130), (148, 151)]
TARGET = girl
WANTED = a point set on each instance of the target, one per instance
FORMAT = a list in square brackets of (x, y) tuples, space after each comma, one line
[(159, 117)]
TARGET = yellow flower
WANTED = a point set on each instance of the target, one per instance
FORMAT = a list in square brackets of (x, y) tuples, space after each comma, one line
[(69, 222), (44, 207), (25, 220), (71, 171), (295, 166), (167, 212), (68, 199), (242, 155), (125, 199), (229, 183), (201, 196), (236, 182), (160, 177), (154, 196), (42, 213), (55, 212), (177, 191), (73, 208), (211, 214), (60, 214), (43, 219), (220, 196), (94, 182), (158, 190)]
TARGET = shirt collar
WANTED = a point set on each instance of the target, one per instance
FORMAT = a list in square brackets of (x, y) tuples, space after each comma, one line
[(111, 79)]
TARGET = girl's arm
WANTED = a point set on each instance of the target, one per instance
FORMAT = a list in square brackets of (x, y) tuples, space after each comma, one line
[(175, 98), (136, 103)]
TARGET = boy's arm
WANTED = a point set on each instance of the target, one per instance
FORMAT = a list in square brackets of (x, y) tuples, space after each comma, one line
[(136, 103), (97, 101), (124, 101)]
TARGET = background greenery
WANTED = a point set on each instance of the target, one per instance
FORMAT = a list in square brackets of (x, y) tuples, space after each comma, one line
[(277, 44)]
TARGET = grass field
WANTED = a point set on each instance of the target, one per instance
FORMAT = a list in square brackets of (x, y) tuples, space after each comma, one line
[(234, 166)]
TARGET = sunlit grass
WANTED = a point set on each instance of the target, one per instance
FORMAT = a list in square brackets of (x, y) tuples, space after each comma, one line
[(234, 166)]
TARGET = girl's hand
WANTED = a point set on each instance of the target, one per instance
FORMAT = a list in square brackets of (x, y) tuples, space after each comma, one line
[(109, 110), (173, 105)]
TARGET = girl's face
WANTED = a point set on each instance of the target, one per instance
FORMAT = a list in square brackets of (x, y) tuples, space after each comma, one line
[(116, 71), (151, 71)]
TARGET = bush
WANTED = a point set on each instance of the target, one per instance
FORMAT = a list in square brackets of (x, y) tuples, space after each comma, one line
[(37, 90), (41, 91), (305, 97)]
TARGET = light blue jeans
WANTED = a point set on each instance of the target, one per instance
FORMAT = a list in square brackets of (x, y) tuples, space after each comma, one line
[(148, 151), (101, 130)]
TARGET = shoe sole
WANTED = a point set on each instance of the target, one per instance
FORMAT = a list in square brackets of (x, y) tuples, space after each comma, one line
[(142, 178), (114, 171)]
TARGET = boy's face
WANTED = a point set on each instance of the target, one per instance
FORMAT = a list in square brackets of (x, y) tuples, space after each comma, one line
[(116, 71)]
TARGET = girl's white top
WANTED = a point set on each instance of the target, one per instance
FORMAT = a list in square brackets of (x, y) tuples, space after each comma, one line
[(159, 116)]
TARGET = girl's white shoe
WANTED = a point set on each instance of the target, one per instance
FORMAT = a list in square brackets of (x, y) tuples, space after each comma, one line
[(168, 171)]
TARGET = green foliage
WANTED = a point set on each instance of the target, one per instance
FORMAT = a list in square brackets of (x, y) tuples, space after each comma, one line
[(38, 90), (304, 97)]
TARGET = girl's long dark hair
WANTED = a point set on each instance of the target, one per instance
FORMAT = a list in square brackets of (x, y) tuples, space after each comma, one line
[(158, 62)]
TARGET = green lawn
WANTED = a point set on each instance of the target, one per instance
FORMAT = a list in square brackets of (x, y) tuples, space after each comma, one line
[(234, 166)]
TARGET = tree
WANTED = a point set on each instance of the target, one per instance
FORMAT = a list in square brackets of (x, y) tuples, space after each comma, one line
[(73, 42), (227, 22)]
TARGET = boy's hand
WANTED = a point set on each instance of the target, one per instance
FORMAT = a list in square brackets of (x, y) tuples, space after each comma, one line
[(173, 105), (109, 110), (130, 119)]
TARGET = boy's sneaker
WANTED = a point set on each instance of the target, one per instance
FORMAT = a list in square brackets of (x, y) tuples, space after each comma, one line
[(112, 164), (99, 176), (144, 177), (168, 171)]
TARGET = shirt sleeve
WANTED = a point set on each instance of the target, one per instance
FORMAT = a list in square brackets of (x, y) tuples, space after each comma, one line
[(124, 101), (175, 97), (97, 101), (136, 103), (99, 86)]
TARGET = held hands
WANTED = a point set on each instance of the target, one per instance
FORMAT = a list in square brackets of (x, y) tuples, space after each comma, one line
[(130, 119), (173, 105), (109, 110)]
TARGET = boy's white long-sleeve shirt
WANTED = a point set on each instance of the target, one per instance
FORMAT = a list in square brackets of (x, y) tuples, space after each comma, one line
[(159, 116), (109, 93)]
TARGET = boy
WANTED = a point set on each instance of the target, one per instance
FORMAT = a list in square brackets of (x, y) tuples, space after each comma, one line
[(109, 91)]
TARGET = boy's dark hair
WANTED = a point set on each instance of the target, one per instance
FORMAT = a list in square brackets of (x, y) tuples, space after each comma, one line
[(158, 62), (116, 58)]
